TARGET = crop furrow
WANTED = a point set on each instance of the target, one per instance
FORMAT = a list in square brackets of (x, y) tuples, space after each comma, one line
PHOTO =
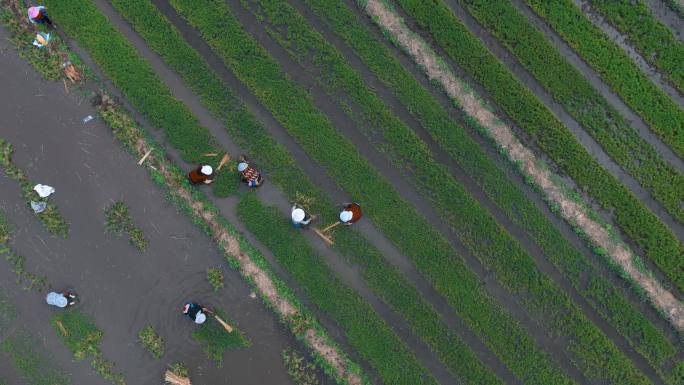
[(600, 293), (657, 241)]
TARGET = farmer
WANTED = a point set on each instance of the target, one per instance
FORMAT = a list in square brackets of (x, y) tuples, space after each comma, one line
[(249, 174), (38, 15), (299, 217), (196, 312), (202, 174), (62, 299), (350, 214)]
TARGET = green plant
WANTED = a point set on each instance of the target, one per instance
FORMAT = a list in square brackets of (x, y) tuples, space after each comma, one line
[(618, 70), (602, 295), (622, 142), (31, 281), (364, 328), (657, 241), (301, 371), (83, 338), (149, 338), (217, 340), (215, 278), (656, 43), (179, 369), (119, 221)]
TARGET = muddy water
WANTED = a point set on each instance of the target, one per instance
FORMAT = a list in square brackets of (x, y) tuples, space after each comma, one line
[(122, 289)]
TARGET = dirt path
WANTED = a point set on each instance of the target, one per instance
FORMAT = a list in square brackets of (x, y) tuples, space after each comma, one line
[(502, 134), (122, 289)]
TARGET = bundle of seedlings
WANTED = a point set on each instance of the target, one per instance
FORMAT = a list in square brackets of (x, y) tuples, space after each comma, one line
[(177, 374)]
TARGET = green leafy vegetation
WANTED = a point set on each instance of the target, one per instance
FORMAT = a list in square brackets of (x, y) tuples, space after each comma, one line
[(50, 217), (119, 221), (179, 369), (645, 229), (215, 278), (216, 339), (600, 293), (569, 88), (385, 280), (472, 222), (656, 43), (83, 338), (365, 329), (301, 371), (149, 338), (662, 114)]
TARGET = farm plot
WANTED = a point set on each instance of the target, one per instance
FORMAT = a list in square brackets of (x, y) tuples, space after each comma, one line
[(465, 243)]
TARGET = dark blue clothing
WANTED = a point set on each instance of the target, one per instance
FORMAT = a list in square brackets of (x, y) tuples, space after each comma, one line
[(193, 309)]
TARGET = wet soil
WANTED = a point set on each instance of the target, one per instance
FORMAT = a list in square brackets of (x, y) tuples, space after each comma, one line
[(120, 288)]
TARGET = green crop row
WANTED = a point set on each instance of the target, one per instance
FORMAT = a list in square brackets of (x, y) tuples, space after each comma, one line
[(431, 252), (641, 225), (656, 43), (134, 77), (637, 329), (584, 103), (71, 18), (385, 280), (364, 328), (475, 226), (617, 69)]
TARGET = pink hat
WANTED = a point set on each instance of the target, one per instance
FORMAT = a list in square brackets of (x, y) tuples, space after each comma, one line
[(33, 12)]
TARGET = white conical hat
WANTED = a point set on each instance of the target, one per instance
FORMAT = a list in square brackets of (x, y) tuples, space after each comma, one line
[(346, 216), (56, 299), (200, 318), (298, 215), (206, 170)]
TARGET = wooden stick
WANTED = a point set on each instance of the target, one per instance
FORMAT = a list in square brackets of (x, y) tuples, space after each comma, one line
[(210, 154), (142, 160), (223, 162), (325, 238), (223, 323), (62, 328), (325, 230)]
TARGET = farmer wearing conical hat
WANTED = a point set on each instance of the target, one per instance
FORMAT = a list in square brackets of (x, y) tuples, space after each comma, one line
[(38, 15), (202, 174), (299, 217), (249, 174), (350, 214), (195, 312), (62, 299)]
